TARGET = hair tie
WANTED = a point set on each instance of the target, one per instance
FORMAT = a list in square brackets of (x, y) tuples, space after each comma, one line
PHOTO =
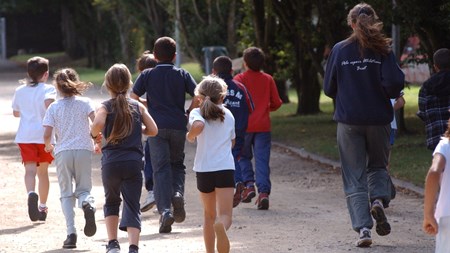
[(363, 11), (207, 98), (122, 92)]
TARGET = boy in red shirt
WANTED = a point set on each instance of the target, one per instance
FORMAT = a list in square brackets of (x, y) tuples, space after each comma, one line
[(264, 93)]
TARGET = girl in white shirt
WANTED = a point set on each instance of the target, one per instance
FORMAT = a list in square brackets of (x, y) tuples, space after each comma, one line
[(213, 127)]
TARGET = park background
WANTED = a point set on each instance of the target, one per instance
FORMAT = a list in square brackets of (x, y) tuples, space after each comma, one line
[(91, 35)]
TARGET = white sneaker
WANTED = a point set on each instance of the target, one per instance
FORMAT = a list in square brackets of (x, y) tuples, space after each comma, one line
[(365, 238), (149, 202)]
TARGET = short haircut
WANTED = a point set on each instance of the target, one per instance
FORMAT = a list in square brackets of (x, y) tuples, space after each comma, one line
[(222, 65), (36, 68), (254, 58), (165, 49), (146, 61), (441, 58)]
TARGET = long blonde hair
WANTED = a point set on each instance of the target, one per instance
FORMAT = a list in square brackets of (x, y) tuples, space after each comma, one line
[(212, 90), (68, 82), (118, 82), (367, 29)]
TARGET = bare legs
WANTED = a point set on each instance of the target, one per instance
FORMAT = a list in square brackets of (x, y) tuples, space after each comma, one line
[(31, 170)]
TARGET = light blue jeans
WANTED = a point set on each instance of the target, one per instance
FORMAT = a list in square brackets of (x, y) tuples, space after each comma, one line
[(169, 171), (74, 166), (364, 152), (257, 145)]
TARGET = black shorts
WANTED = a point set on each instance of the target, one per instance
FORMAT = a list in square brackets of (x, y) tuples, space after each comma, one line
[(208, 181)]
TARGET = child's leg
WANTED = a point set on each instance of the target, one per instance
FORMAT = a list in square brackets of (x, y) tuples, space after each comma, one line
[(30, 176), (224, 199), (44, 182), (209, 217), (133, 236), (112, 224)]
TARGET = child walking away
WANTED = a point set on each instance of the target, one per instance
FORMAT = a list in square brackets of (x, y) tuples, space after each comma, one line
[(30, 102), (238, 101), (436, 216), (264, 93), (120, 120), (213, 127), (69, 118)]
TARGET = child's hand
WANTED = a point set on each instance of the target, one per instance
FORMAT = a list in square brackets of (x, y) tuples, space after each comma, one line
[(430, 225), (97, 148), (189, 139), (49, 148)]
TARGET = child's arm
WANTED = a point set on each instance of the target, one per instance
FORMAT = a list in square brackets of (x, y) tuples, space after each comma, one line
[(97, 126), (48, 130), (399, 103), (196, 130), (150, 128), (432, 180), (16, 114), (47, 102)]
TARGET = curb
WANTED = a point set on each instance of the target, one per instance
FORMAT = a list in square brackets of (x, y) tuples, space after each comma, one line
[(335, 165)]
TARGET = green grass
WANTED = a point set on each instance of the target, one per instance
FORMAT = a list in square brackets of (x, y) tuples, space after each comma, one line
[(194, 69), (410, 158)]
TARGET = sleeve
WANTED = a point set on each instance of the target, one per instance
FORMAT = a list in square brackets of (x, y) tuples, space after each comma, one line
[(14, 104), (392, 76), (139, 84), (89, 106), (330, 80), (275, 100), (50, 92), (442, 148), (190, 83), (48, 117), (195, 115)]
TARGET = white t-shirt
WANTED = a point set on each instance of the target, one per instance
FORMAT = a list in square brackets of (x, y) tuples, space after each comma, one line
[(214, 143), (29, 101), (443, 203), (69, 118)]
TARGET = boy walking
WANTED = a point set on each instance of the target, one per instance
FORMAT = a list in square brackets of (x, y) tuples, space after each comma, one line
[(238, 101), (434, 99), (166, 86), (264, 93)]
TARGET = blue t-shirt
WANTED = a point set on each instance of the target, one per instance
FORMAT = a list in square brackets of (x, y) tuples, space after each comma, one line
[(166, 87)]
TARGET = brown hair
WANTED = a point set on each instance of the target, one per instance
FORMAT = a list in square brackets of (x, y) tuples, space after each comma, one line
[(36, 68), (212, 89), (165, 49), (367, 29), (146, 61), (68, 82), (441, 58), (222, 65), (447, 132), (118, 81), (254, 58)]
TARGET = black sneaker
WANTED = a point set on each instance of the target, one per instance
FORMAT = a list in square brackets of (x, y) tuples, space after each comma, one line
[(365, 238), (70, 242), (179, 213), (165, 222), (43, 213), (113, 247), (383, 228), (89, 215), (33, 210)]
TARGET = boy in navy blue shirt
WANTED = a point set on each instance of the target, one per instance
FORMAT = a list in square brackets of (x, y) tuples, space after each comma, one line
[(166, 86), (238, 101)]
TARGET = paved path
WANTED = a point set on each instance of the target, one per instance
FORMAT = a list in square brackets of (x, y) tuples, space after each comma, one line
[(307, 213)]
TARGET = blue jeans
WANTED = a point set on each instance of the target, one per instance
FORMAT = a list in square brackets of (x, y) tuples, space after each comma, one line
[(169, 172), (257, 145), (236, 151), (364, 152), (148, 170)]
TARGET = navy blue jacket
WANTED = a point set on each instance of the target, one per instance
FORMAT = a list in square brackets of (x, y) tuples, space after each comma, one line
[(166, 87), (362, 86)]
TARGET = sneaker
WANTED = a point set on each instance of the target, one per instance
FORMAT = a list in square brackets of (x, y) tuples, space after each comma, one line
[(263, 201), (383, 228), (165, 222), (113, 247), (33, 210), (248, 193), (223, 243), (89, 216), (179, 214), (365, 239), (238, 194), (133, 249), (42, 213), (70, 242), (149, 202)]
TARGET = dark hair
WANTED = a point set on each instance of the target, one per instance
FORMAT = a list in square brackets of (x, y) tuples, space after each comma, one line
[(146, 61), (36, 68), (165, 49), (68, 82), (222, 65), (254, 58), (118, 81), (441, 58), (367, 29), (211, 89)]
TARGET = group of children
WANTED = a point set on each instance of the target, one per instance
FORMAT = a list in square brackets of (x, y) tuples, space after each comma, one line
[(216, 119)]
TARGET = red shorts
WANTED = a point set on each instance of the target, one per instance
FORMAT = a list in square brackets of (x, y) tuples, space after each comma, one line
[(32, 152)]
